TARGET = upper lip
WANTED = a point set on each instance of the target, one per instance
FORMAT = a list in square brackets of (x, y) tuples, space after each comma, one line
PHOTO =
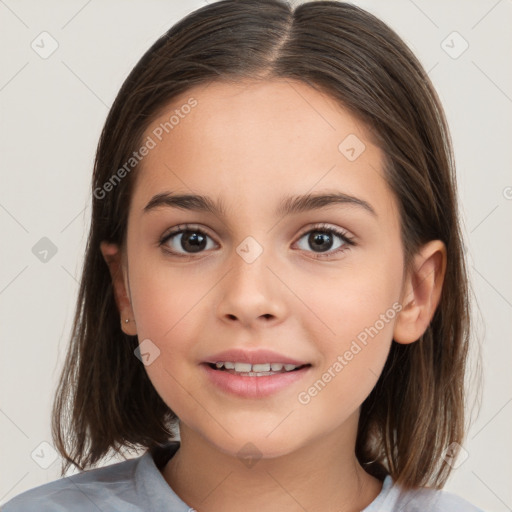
[(259, 356)]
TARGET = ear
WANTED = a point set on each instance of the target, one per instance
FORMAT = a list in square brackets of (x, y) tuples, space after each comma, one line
[(113, 257), (421, 292)]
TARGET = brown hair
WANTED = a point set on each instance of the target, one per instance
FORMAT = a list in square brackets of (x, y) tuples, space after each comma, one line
[(105, 399)]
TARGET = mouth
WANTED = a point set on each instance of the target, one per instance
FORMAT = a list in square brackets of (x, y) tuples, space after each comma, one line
[(255, 370), (257, 381)]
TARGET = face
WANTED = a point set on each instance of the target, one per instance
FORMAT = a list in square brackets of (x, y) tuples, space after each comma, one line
[(318, 284)]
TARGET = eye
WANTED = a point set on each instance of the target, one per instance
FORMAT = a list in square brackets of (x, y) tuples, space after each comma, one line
[(189, 239), (320, 238)]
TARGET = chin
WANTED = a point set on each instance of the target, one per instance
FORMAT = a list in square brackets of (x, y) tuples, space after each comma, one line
[(253, 446)]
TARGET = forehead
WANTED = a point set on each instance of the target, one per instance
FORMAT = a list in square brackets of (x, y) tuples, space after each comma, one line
[(239, 141)]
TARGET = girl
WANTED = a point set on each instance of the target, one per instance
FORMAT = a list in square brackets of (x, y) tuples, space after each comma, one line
[(300, 377)]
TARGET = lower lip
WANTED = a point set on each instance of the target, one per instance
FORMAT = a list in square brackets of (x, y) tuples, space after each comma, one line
[(253, 387)]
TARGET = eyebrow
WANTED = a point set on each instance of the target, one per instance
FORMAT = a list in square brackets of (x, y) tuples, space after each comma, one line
[(287, 206)]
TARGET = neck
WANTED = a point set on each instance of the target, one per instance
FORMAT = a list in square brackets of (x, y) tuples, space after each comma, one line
[(320, 476)]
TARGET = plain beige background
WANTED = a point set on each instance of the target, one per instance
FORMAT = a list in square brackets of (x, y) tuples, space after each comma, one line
[(52, 110)]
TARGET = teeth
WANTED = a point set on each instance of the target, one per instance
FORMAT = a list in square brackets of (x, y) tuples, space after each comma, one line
[(242, 367), (262, 367)]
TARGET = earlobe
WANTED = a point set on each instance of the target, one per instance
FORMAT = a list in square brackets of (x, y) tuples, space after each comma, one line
[(113, 257), (421, 292)]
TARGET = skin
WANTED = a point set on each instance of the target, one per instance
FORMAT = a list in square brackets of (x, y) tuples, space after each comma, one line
[(249, 145)]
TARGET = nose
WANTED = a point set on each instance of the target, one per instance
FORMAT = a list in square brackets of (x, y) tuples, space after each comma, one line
[(251, 294)]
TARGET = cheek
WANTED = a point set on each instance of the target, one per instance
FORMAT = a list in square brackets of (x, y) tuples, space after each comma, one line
[(361, 318), (357, 298), (358, 308), (163, 299), (168, 306)]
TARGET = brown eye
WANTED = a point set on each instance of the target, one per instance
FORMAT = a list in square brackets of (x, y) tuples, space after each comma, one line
[(322, 240), (186, 241)]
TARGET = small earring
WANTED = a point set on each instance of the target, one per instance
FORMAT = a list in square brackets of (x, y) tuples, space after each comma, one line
[(126, 320)]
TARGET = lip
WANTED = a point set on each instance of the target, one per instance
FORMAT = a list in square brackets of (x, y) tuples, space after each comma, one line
[(259, 356), (253, 387)]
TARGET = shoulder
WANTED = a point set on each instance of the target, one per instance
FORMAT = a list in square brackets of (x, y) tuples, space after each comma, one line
[(394, 499), (107, 488), (434, 501)]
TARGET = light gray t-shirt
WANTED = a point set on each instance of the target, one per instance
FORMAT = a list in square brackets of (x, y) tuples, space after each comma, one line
[(137, 485)]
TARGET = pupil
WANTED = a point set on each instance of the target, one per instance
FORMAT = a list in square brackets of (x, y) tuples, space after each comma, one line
[(192, 241), (320, 238)]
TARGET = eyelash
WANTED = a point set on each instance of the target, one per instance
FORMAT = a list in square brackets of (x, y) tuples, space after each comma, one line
[(322, 228)]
